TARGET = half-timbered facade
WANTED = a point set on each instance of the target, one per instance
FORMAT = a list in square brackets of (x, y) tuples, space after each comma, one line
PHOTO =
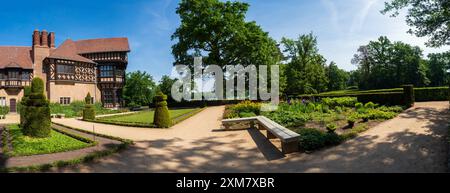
[(70, 71)]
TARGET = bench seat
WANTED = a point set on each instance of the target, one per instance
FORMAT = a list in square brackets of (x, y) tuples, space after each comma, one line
[(289, 139)]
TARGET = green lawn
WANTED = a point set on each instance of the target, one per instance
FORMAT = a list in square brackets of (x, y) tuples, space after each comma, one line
[(57, 142), (146, 117)]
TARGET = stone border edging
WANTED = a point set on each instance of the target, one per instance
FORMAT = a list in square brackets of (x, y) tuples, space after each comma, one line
[(104, 146)]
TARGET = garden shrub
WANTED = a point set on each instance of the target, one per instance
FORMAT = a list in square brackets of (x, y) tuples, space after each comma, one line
[(248, 107), (22, 104), (247, 114), (311, 139), (358, 106), (288, 118), (37, 121), (396, 109), (369, 105), (162, 117), (383, 98), (88, 111), (4, 110), (340, 101), (351, 120), (331, 128), (408, 92), (314, 139), (431, 94)]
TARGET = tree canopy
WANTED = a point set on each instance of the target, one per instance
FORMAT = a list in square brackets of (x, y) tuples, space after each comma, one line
[(305, 70), (386, 64), (428, 18), (218, 31), (139, 89)]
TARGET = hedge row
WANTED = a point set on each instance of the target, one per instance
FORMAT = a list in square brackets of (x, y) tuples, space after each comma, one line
[(390, 96), (431, 94)]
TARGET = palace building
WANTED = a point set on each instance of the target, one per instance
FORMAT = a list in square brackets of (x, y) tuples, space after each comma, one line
[(70, 71)]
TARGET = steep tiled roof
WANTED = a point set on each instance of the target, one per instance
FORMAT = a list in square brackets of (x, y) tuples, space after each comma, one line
[(68, 51), (103, 45), (15, 56)]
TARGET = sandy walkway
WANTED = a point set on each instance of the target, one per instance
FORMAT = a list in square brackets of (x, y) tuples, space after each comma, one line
[(412, 142)]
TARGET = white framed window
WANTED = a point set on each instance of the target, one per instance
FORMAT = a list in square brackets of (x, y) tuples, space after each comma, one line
[(64, 100), (2, 101)]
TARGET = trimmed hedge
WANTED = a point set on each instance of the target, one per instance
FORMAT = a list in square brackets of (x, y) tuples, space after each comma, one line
[(408, 92), (36, 119), (162, 117), (89, 110), (431, 94), (379, 96)]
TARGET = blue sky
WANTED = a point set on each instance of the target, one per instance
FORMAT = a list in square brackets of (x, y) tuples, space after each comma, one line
[(340, 25)]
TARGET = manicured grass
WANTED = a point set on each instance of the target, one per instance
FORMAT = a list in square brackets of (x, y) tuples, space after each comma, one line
[(57, 142), (146, 117)]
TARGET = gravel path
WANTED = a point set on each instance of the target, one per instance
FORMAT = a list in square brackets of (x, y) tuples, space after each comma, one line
[(415, 141)]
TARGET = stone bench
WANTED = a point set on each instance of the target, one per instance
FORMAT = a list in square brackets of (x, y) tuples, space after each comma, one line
[(59, 115), (289, 139)]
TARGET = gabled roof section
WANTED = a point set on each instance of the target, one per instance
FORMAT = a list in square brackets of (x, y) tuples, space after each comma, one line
[(15, 57), (103, 45), (68, 51)]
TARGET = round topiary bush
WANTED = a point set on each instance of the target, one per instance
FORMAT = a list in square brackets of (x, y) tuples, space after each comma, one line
[(162, 117), (37, 122), (89, 110)]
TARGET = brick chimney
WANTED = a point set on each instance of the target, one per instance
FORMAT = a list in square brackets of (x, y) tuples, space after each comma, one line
[(51, 40), (36, 38), (44, 38)]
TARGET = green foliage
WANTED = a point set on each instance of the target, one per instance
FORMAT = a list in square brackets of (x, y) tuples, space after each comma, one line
[(36, 112), (396, 65), (139, 89), (247, 114), (89, 110), (388, 98), (289, 119), (88, 98), (165, 86), (75, 109), (337, 78), (37, 86), (438, 65), (431, 94), (351, 121), (247, 107), (359, 106), (331, 128), (408, 92), (4, 110), (56, 142), (219, 31), (428, 18), (340, 101), (369, 105), (313, 139), (306, 72), (162, 116)]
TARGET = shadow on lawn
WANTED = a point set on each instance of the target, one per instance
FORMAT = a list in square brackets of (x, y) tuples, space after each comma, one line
[(402, 151)]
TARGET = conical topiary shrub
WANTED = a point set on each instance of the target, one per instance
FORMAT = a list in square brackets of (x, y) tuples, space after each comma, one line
[(37, 121), (408, 92), (162, 117), (88, 111)]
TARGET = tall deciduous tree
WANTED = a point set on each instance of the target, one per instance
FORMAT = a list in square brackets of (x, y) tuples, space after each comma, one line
[(386, 64), (337, 78), (218, 31), (165, 86), (428, 18), (305, 71), (139, 89), (438, 64)]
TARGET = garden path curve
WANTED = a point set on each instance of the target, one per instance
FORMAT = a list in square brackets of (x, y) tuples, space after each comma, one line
[(414, 141)]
